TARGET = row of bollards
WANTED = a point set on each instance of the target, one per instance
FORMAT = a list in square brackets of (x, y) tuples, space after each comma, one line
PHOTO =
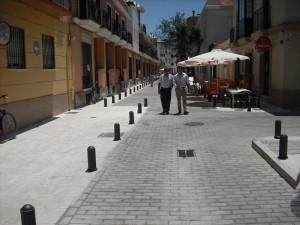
[(125, 94), (283, 141), (28, 211)]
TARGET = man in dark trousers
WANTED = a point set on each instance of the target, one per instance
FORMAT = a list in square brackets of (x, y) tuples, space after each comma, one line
[(165, 85)]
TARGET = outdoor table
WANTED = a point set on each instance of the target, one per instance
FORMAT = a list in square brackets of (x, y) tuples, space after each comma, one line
[(236, 91)]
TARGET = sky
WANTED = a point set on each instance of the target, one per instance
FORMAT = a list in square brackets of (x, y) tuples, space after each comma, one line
[(156, 10)]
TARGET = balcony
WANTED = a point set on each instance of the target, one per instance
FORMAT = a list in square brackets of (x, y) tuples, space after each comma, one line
[(243, 29), (60, 9), (261, 19), (105, 25), (88, 15)]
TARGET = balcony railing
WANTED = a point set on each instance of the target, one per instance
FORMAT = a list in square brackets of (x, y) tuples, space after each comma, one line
[(116, 28), (106, 20), (143, 28), (89, 10), (63, 3), (261, 19), (129, 37), (148, 51), (243, 29)]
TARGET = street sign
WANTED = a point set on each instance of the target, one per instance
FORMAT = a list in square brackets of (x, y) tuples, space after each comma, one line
[(262, 44)]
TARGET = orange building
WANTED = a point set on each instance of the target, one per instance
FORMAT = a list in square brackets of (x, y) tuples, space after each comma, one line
[(59, 50)]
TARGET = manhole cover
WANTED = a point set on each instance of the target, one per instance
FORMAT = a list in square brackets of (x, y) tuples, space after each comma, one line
[(186, 153), (93, 117), (194, 124), (109, 134)]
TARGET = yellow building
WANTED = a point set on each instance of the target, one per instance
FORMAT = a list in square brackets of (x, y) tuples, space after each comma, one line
[(35, 65), (59, 50)]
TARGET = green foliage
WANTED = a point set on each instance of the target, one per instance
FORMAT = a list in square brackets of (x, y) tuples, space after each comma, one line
[(176, 35)]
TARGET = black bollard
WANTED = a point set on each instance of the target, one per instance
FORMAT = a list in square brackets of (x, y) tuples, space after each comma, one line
[(140, 86), (125, 93), (139, 108), (117, 132), (145, 102), (91, 153), (119, 96), (105, 102), (130, 91), (249, 103), (215, 101), (277, 129), (133, 89), (137, 87), (28, 215), (113, 99), (283, 143), (131, 117), (258, 100)]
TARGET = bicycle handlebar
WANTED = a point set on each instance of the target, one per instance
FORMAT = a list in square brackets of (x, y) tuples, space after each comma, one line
[(4, 96)]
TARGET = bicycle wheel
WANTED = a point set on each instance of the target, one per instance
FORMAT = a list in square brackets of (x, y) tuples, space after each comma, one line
[(9, 126)]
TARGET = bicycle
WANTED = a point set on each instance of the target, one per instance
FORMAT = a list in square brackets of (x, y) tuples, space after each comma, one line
[(8, 122), (95, 96)]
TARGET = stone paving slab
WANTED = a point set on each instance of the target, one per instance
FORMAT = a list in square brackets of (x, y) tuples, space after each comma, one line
[(227, 182), (140, 179)]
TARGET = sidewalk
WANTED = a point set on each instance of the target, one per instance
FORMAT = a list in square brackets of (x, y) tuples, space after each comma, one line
[(45, 165), (140, 179)]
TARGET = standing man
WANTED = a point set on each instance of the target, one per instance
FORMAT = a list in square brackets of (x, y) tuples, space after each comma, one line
[(181, 82), (165, 85)]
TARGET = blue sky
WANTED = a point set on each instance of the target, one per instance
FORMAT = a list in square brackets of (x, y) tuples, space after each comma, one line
[(156, 10)]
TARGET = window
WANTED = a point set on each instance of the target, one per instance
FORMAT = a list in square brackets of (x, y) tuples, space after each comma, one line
[(242, 9), (16, 49), (245, 9), (48, 52)]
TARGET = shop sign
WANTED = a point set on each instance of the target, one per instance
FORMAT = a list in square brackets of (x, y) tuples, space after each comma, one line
[(262, 44)]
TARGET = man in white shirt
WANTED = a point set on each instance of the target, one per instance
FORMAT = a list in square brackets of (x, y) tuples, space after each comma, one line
[(181, 82), (165, 85)]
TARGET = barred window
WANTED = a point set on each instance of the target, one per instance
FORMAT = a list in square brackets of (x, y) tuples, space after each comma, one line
[(48, 52), (16, 49)]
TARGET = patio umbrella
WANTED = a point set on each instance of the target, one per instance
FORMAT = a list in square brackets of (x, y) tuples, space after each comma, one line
[(216, 57)]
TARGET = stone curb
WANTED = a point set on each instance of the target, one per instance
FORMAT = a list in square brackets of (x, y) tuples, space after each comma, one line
[(278, 165)]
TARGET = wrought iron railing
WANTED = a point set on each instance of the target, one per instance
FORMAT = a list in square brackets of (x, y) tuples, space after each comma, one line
[(89, 10), (63, 3), (261, 19), (244, 28), (106, 20)]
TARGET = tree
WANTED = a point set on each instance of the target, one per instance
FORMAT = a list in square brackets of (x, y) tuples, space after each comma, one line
[(175, 34)]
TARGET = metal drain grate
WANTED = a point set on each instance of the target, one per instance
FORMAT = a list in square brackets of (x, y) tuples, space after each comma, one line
[(109, 134), (194, 124), (186, 153)]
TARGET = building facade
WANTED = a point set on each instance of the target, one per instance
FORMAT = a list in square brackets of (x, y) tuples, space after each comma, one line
[(215, 22), (59, 50), (167, 58), (273, 70)]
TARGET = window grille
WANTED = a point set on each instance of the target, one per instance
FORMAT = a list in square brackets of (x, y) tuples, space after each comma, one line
[(16, 49), (48, 52)]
